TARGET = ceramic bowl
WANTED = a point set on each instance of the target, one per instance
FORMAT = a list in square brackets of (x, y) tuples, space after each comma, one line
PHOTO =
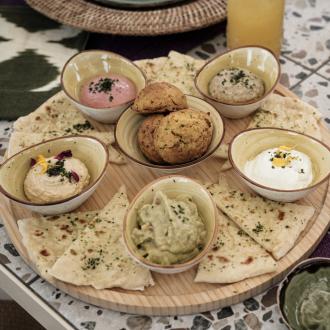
[(172, 186), (92, 152), (248, 144), (130, 121), (88, 64), (258, 60), (310, 265)]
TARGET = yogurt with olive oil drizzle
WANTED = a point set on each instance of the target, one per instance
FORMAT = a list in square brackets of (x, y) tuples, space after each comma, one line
[(280, 168)]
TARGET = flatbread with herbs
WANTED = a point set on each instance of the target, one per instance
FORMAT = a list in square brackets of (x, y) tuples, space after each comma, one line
[(275, 226), (98, 256), (151, 67), (56, 118), (288, 113), (47, 237), (177, 69), (234, 256)]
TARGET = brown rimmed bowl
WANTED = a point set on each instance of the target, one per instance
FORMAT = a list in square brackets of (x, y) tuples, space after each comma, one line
[(172, 186), (92, 152), (259, 60), (130, 121), (248, 144), (90, 63)]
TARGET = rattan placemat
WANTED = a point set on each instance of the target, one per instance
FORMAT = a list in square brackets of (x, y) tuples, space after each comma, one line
[(89, 16)]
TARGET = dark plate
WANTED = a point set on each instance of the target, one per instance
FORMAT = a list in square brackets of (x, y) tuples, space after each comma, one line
[(136, 4)]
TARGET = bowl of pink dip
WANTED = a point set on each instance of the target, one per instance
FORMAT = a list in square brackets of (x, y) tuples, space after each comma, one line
[(101, 84)]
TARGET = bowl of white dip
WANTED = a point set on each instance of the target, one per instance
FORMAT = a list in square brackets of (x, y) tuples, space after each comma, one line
[(279, 164)]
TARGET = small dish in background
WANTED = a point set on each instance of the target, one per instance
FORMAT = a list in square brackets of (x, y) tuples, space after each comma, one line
[(130, 121), (93, 153), (260, 61), (172, 186), (303, 295), (248, 144), (89, 64)]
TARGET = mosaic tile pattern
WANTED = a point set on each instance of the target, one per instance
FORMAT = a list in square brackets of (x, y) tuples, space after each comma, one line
[(11, 259), (324, 71), (316, 91), (307, 22), (255, 313)]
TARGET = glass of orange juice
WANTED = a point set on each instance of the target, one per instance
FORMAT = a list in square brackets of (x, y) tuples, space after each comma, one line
[(255, 22)]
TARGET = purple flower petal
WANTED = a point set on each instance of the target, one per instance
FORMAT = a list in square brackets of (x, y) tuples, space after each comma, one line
[(64, 154), (75, 176), (32, 162)]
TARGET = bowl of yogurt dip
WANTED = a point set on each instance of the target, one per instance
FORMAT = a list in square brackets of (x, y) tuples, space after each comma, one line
[(55, 176), (237, 81), (279, 164), (101, 84)]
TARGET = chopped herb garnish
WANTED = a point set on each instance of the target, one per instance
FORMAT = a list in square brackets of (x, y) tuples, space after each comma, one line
[(258, 228)]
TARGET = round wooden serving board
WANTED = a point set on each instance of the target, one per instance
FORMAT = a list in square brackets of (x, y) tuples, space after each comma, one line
[(178, 294)]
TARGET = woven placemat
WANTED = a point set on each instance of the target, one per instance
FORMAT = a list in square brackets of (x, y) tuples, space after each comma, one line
[(89, 16)]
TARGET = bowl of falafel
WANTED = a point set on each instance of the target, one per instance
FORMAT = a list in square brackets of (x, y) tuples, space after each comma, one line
[(168, 131)]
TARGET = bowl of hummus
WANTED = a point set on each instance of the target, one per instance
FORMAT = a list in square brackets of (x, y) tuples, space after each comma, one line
[(55, 176), (170, 225), (279, 164), (237, 81), (101, 84)]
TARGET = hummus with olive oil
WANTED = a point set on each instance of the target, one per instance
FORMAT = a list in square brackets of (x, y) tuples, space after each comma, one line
[(52, 179), (235, 86), (169, 231)]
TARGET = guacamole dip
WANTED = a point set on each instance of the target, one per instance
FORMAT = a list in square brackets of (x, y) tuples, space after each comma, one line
[(307, 300), (169, 231)]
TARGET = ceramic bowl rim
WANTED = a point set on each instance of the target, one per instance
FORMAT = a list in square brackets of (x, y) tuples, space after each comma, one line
[(241, 174), (281, 285), (255, 101), (90, 186), (205, 156), (200, 255), (122, 58)]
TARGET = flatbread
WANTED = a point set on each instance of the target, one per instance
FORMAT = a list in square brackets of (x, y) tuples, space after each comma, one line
[(275, 226), (288, 113), (151, 67), (222, 151), (177, 69), (47, 237), (234, 257), (57, 117), (98, 256)]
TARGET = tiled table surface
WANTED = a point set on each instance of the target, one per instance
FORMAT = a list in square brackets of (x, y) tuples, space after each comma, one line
[(306, 70)]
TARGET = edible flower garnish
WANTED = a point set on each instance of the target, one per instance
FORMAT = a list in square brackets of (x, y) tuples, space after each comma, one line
[(75, 176), (64, 154), (285, 148), (41, 160), (282, 157), (32, 162)]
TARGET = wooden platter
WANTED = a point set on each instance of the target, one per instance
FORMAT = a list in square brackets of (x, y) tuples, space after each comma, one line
[(178, 294)]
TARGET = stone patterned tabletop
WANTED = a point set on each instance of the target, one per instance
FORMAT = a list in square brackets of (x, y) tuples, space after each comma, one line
[(306, 70)]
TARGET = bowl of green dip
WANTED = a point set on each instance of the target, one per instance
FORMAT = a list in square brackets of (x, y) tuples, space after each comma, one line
[(304, 295)]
